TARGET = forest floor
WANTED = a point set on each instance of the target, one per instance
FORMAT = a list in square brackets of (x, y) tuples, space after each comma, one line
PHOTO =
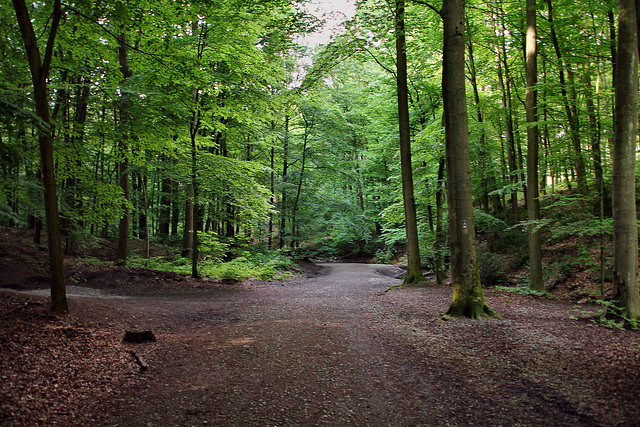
[(328, 348)]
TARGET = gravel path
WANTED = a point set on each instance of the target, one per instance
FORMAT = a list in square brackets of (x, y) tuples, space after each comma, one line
[(339, 350)]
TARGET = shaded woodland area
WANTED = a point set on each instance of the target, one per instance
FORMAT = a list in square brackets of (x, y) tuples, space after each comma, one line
[(204, 130), (181, 166)]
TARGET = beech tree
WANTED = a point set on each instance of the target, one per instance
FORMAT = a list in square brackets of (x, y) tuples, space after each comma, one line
[(468, 298), (533, 202), (414, 265), (625, 225), (40, 66)]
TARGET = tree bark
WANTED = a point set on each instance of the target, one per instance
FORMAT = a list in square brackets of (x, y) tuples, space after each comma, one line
[(187, 234), (508, 123), (441, 272), (39, 68), (308, 126), (285, 170), (625, 226), (569, 107), (123, 148), (414, 264), (536, 279), (468, 298), (164, 220), (193, 133)]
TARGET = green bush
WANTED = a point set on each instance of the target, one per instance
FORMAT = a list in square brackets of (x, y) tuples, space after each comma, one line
[(490, 266), (257, 264)]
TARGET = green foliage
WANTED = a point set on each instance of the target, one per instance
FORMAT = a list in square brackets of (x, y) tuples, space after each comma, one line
[(613, 316), (255, 264), (491, 268), (523, 289), (210, 246)]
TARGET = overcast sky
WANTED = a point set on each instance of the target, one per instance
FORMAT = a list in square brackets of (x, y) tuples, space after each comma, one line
[(335, 12)]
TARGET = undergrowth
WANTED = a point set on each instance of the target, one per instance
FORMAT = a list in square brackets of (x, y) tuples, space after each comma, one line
[(258, 265), (525, 290)]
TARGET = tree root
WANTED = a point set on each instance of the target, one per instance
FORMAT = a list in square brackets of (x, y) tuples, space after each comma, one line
[(471, 310)]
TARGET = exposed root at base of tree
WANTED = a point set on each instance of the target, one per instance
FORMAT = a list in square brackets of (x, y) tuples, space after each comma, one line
[(471, 310), (418, 280)]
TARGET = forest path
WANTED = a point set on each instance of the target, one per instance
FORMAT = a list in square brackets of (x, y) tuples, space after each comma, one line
[(338, 350)]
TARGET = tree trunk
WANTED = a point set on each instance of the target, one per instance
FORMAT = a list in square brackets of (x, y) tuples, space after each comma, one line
[(307, 130), (536, 281), (356, 165), (625, 226), (272, 198), (468, 298), (569, 107), (187, 235), (485, 157), (440, 243), (193, 132), (285, 166), (414, 265), (508, 122), (123, 148), (165, 208), (39, 68)]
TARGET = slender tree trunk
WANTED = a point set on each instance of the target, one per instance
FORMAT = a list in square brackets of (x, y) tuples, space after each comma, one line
[(414, 264), (123, 148), (272, 199), (193, 131), (569, 106), (187, 235), (356, 163), (440, 243), (145, 202), (39, 68), (531, 102), (485, 158), (175, 211), (508, 122), (165, 207), (468, 298), (625, 225), (285, 171), (294, 210)]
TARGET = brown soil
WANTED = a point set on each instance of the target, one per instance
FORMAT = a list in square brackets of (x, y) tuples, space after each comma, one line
[(334, 349)]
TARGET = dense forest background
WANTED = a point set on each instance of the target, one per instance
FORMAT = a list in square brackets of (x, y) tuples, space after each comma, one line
[(168, 117)]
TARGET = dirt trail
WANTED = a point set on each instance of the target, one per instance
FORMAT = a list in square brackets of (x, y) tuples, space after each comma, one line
[(338, 350)]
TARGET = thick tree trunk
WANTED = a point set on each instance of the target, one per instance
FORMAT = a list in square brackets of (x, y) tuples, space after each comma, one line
[(536, 280), (187, 234), (625, 226), (39, 68), (468, 298), (414, 265)]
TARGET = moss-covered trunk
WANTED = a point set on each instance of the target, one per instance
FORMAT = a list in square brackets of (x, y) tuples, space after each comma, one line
[(468, 299)]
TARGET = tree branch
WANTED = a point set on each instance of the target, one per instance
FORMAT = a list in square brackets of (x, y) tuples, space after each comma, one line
[(115, 36), (379, 63), (55, 23), (430, 6)]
